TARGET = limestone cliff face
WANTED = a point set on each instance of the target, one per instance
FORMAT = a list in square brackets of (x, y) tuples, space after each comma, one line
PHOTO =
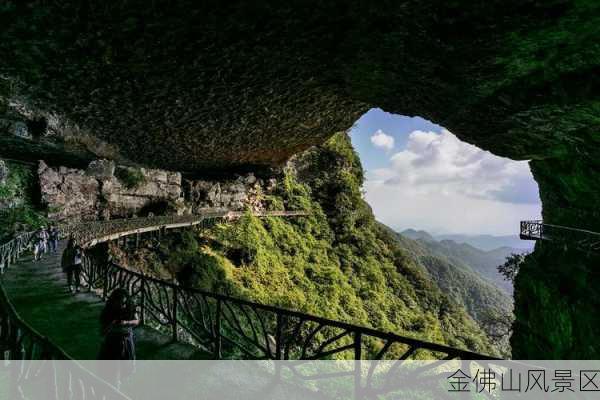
[(105, 190), (97, 193), (69, 193), (233, 194)]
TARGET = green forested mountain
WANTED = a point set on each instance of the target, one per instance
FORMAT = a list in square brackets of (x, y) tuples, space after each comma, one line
[(460, 280), (460, 270), (338, 262), (485, 263)]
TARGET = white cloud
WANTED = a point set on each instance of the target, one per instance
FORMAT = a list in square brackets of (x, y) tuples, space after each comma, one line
[(382, 140), (402, 208), (441, 184), (441, 163)]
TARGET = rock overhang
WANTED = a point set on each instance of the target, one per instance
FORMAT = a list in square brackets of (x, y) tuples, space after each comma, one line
[(196, 87)]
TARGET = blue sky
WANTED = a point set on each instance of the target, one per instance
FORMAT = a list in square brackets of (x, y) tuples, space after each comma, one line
[(419, 175)]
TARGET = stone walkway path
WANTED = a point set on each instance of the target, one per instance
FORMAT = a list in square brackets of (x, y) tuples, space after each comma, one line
[(38, 290)]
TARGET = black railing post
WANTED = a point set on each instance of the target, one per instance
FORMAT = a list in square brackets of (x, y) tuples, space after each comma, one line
[(357, 345), (143, 300), (357, 365), (278, 336), (217, 332), (522, 228), (105, 282), (91, 271), (174, 321)]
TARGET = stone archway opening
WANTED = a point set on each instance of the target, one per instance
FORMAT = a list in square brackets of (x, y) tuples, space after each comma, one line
[(421, 175), (457, 207)]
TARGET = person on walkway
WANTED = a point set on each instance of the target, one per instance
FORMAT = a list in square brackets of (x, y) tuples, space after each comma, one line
[(117, 320), (39, 244), (44, 240), (71, 264), (54, 235)]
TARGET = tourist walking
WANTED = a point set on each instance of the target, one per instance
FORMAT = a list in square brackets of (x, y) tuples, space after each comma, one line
[(44, 240), (39, 241), (71, 264), (117, 321), (54, 236)]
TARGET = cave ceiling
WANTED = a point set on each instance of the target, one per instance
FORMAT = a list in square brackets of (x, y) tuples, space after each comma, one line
[(193, 86)]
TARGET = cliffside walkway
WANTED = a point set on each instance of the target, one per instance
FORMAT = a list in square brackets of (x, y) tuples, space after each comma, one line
[(581, 239), (38, 291), (40, 319)]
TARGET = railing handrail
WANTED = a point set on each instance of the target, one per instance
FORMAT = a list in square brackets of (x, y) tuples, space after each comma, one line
[(161, 223), (581, 239), (371, 332), (166, 222), (339, 324), (562, 227), (55, 349), (49, 348)]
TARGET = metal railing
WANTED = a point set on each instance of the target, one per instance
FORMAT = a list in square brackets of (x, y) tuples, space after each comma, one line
[(20, 343), (91, 233), (228, 327), (579, 238), (223, 326), (11, 250)]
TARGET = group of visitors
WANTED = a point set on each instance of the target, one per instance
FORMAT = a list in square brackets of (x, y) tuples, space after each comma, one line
[(118, 318), (45, 240)]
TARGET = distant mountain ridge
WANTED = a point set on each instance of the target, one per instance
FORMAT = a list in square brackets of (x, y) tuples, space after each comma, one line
[(483, 260), (484, 263), (416, 235), (487, 242), (466, 274)]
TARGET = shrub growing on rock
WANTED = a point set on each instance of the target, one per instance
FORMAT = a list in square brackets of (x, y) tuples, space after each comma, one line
[(131, 178)]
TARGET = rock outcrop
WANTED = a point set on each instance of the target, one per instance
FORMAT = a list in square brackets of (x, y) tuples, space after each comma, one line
[(224, 89), (105, 190), (98, 192), (69, 193), (242, 193)]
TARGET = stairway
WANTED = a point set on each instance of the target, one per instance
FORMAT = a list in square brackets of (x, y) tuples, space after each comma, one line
[(38, 291)]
